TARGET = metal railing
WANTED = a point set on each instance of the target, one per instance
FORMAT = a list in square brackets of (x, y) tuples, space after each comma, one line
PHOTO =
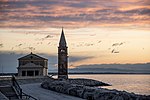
[(28, 97), (19, 90), (16, 86)]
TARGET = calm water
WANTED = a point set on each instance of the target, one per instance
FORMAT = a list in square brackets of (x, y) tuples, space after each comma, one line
[(139, 84)]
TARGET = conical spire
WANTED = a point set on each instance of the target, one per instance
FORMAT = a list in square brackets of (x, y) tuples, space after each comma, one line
[(62, 41)]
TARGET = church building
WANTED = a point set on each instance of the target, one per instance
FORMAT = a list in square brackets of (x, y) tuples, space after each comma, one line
[(62, 58), (32, 65)]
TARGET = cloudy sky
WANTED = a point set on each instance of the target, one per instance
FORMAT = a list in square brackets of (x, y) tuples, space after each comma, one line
[(97, 31)]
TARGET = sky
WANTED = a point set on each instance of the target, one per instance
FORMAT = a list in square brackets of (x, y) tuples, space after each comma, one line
[(97, 31)]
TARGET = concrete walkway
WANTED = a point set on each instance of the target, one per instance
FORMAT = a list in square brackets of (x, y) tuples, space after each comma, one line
[(42, 94)]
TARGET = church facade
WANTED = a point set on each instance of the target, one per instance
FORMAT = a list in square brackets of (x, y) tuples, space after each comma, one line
[(32, 65), (62, 58)]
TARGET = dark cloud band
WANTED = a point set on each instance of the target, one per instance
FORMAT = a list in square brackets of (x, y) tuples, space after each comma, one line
[(52, 13)]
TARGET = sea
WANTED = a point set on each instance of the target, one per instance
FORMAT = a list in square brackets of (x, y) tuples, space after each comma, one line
[(136, 83)]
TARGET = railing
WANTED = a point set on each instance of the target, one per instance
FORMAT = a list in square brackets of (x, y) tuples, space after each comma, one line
[(16, 86), (28, 97), (24, 97), (19, 90)]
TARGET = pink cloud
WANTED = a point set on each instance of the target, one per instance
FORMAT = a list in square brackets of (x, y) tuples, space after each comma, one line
[(80, 13)]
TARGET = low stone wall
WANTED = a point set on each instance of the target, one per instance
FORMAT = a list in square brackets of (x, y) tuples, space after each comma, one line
[(90, 93), (25, 80)]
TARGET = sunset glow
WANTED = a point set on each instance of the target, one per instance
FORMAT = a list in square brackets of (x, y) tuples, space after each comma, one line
[(99, 31)]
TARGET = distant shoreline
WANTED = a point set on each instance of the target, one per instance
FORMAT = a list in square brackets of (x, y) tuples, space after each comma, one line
[(75, 73)]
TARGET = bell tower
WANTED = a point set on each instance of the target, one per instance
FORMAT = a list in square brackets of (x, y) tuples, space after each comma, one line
[(62, 58)]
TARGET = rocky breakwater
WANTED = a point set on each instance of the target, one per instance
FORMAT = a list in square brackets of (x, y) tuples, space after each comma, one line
[(86, 82), (90, 93)]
